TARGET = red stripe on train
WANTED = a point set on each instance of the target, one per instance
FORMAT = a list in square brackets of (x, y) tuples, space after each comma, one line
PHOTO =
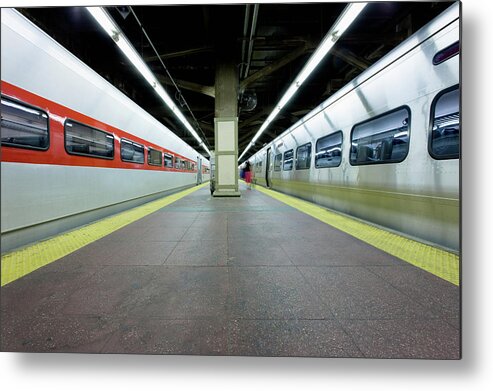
[(56, 153)]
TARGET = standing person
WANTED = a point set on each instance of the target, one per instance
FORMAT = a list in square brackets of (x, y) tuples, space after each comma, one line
[(248, 174)]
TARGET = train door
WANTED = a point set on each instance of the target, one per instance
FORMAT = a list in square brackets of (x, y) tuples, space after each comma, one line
[(199, 170), (267, 168)]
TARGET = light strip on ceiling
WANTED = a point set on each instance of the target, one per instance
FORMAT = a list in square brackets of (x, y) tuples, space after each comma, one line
[(347, 17), (110, 27)]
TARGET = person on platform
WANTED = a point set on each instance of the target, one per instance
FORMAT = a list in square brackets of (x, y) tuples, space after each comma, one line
[(248, 174)]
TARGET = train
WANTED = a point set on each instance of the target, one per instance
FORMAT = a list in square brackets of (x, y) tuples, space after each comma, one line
[(74, 148), (385, 148)]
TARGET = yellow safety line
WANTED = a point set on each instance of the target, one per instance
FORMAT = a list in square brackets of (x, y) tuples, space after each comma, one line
[(24, 261), (439, 262)]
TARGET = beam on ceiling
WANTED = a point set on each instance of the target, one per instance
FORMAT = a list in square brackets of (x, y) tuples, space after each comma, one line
[(171, 125), (276, 65), (377, 53), (189, 85), (265, 111), (290, 117), (271, 43), (242, 145), (333, 85), (389, 38), (206, 126), (351, 58), (248, 133), (242, 141), (180, 53), (196, 107)]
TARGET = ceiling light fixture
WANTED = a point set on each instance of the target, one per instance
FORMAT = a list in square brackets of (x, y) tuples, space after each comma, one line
[(347, 17), (111, 28)]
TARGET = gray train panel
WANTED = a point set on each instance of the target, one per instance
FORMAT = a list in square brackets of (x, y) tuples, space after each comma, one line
[(416, 194)]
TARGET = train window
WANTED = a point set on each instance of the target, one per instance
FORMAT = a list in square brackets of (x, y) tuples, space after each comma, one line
[(288, 160), (178, 163), (329, 150), (304, 156), (447, 53), (23, 126), (154, 157), (445, 125), (87, 141), (277, 162), (383, 139), (131, 152), (168, 160)]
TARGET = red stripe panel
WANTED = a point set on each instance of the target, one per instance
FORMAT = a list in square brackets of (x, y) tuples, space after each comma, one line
[(56, 153)]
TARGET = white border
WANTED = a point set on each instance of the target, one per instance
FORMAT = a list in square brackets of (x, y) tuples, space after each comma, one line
[(473, 372)]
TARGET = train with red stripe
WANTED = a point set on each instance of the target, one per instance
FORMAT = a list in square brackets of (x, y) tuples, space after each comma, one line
[(74, 148)]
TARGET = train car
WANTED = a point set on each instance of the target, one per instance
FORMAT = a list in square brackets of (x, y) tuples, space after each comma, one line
[(386, 147), (74, 148)]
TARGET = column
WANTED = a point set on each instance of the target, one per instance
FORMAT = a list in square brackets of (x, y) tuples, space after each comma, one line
[(226, 128)]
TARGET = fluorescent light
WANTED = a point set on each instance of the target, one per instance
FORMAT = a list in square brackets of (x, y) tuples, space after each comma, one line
[(347, 17), (101, 17), (245, 150), (108, 25)]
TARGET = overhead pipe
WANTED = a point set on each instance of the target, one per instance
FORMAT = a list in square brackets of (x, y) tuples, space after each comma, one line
[(245, 31), (250, 44)]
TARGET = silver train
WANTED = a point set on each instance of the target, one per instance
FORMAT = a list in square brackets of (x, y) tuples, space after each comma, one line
[(386, 147), (74, 148)]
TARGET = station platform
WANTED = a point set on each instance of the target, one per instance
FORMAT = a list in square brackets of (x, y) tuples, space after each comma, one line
[(252, 276)]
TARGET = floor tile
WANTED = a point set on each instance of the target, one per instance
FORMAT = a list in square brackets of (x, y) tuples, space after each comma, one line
[(112, 291), (251, 252), (356, 293), (440, 296), (312, 338), (199, 253), (409, 338), (158, 336), (178, 292), (274, 293), (324, 253), (55, 334)]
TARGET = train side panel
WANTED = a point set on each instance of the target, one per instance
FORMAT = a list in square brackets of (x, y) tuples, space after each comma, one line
[(74, 189), (47, 192), (418, 196)]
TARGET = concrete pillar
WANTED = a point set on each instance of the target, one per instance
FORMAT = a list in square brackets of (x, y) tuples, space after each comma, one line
[(226, 128)]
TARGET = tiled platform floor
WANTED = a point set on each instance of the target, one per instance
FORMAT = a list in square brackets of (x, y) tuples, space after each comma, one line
[(239, 276)]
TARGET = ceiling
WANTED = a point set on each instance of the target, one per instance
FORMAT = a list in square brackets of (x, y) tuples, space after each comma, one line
[(189, 37)]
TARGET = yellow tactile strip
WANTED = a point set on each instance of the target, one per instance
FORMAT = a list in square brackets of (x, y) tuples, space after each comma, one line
[(441, 263), (24, 261)]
